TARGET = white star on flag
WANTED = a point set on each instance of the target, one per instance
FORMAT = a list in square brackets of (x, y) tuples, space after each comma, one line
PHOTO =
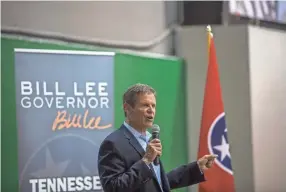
[(223, 148)]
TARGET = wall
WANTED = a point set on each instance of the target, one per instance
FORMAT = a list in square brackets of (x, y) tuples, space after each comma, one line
[(165, 74), (139, 22), (268, 93), (252, 72)]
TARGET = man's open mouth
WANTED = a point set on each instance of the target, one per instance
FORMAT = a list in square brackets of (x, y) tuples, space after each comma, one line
[(150, 118)]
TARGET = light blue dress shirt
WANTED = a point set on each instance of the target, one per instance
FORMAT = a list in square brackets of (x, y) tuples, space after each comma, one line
[(143, 140)]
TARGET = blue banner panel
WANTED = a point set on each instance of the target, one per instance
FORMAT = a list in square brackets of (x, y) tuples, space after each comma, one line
[(65, 108)]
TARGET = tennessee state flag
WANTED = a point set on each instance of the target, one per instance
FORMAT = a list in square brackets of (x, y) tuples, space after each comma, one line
[(213, 133)]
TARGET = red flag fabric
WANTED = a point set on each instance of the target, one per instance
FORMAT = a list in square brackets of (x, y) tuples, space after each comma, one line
[(213, 133)]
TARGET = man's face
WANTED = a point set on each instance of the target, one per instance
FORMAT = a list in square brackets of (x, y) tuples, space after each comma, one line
[(142, 114)]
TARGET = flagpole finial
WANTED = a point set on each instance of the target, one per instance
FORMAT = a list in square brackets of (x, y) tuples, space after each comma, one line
[(209, 29)]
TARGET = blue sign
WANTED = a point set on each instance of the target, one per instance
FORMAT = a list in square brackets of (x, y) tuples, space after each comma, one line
[(65, 108)]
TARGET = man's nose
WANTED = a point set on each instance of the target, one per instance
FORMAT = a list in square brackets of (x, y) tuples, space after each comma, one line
[(150, 109)]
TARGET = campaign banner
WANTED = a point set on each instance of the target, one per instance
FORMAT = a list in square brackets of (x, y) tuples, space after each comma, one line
[(65, 108)]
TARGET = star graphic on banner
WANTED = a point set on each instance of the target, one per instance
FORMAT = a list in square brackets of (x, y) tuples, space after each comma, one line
[(51, 169), (223, 148)]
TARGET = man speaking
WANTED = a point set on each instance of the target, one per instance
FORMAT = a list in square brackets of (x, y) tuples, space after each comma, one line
[(126, 156)]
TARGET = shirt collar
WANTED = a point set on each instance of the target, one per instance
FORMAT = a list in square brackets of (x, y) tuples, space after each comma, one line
[(136, 133)]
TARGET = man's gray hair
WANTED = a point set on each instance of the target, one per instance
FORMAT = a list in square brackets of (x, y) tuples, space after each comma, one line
[(131, 93)]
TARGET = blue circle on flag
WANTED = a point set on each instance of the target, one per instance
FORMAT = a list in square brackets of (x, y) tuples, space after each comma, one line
[(218, 143)]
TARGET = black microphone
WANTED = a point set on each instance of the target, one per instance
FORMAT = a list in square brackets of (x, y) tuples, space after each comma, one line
[(155, 135)]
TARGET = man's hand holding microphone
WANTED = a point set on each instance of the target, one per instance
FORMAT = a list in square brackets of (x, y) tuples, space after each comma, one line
[(153, 150)]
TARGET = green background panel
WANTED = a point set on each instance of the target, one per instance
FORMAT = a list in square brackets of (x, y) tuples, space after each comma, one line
[(164, 74), (166, 77)]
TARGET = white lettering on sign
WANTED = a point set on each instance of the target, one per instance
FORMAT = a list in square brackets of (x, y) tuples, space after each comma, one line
[(79, 95), (66, 184)]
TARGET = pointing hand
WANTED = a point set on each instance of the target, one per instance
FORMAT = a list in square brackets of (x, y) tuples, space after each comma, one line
[(206, 162)]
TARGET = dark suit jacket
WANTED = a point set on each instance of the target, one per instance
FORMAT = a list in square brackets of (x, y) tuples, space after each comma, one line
[(122, 170)]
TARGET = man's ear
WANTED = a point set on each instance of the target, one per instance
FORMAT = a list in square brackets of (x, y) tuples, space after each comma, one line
[(125, 107), (128, 107)]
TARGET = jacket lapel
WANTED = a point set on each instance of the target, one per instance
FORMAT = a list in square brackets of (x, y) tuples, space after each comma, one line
[(133, 141), (136, 145)]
